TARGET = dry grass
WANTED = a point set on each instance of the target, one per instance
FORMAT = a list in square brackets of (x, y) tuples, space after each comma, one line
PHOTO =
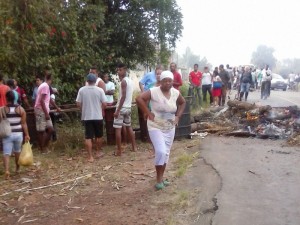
[(67, 161), (182, 163)]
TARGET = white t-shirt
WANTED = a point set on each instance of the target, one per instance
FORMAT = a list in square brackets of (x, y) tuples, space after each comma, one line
[(164, 109), (292, 77), (109, 87), (97, 81), (266, 75), (129, 93), (206, 78), (91, 98)]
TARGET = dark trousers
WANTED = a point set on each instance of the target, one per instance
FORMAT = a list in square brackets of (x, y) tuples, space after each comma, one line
[(207, 88), (268, 87), (222, 98), (53, 117), (143, 126), (194, 95), (265, 89)]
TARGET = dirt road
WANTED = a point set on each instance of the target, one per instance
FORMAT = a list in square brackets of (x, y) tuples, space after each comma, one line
[(259, 181)]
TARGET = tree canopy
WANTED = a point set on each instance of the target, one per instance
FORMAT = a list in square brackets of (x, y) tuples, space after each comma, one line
[(69, 36), (287, 66), (188, 59), (262, 56)]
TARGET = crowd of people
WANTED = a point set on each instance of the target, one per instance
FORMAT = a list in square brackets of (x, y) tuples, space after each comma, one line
[(160, 102), (219, 83)]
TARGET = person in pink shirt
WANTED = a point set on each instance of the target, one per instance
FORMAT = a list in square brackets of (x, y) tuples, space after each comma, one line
[(44, 124), (177, 82)]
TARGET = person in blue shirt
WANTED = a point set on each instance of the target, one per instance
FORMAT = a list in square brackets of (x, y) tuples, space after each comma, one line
[(149, 79), (10, 83)]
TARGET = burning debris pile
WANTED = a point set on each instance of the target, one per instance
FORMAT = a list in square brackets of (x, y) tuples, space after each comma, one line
[(243, 119)]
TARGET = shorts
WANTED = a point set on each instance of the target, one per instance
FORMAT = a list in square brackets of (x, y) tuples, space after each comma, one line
[(40, 120), (93, 128), (12, 143), (124, 118)]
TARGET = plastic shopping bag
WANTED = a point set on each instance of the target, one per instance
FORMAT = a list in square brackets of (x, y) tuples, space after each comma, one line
[(26, 156)]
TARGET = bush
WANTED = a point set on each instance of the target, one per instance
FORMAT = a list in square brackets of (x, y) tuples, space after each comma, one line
[(184, 89)]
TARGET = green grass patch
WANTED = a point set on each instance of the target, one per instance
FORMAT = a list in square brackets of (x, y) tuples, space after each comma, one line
[(183, 163), (70, 138), (181, 200)]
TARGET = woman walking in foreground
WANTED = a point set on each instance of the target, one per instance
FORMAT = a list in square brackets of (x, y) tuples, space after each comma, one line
[(167, 106)]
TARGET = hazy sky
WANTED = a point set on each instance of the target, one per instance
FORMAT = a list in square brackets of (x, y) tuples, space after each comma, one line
[(228, 31)]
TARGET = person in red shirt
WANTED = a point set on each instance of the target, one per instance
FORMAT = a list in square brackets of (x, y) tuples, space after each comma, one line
[(3, 89), (195, 78), (22, 94), (177, 82)]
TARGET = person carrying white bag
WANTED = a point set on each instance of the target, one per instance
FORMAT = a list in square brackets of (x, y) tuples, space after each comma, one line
[(16, 116)]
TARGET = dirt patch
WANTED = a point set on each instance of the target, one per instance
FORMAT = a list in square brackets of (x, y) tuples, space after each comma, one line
[(112, 190)]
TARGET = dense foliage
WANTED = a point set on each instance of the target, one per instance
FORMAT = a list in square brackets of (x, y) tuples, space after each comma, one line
[(68, 36)]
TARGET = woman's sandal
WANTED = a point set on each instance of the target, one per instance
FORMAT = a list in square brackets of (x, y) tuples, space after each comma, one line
[(159, 186), (166, 182)]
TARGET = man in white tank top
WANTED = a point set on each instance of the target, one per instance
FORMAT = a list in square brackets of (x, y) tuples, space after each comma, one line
[(99, 82), (123, 109)]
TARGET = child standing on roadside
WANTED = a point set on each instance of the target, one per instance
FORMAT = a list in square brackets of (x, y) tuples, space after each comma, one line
[(216, 89)]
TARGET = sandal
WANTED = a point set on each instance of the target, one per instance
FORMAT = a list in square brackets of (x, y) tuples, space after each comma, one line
[(166, 182), (159, 186)]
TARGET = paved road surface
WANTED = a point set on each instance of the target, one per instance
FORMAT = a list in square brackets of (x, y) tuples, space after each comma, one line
[(278, 98), (260, 181)]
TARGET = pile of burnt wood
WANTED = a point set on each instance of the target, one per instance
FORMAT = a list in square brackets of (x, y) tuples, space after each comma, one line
[(244, 119)]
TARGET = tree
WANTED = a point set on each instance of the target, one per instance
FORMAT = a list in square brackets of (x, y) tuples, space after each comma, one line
[(287, 66), (263, 56), (69, 36), (188, 60), (58, 35)]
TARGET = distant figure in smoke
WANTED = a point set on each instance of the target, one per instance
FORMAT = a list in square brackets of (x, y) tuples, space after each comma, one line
[(246, 81), (266, 82)]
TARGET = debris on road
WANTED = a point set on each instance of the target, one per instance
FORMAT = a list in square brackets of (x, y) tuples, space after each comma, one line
[(201, 135), (294, 140), (243, 119)]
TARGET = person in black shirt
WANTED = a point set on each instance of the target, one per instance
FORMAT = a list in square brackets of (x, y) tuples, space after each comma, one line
[(224, 75), (246, 81)]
